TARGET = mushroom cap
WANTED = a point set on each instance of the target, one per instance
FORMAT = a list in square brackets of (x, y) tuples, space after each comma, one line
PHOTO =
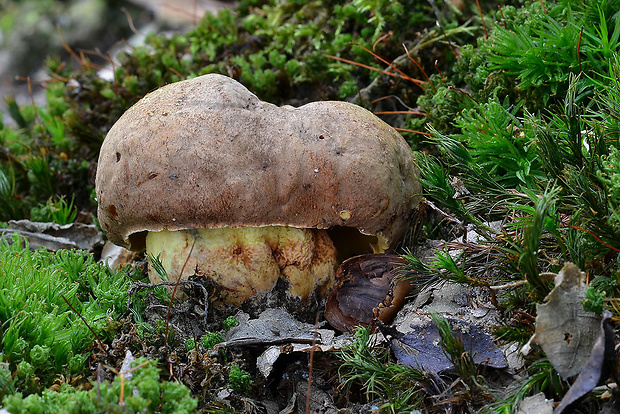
[(207, 153)]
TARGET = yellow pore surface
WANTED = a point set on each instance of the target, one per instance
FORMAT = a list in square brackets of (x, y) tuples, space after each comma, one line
[(247, 261)]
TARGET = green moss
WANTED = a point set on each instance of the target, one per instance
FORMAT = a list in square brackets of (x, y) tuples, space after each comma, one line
[(41, 332), (143, 392), (210, 339), (57, 211), (239, 380)]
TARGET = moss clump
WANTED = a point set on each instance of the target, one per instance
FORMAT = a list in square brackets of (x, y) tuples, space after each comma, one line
[(42, 296), (142, 392)]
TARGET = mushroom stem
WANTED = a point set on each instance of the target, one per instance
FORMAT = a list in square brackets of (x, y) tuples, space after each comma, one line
[(248, 261)]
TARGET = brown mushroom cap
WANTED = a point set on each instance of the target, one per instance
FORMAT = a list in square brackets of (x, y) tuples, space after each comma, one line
[(207, 153)]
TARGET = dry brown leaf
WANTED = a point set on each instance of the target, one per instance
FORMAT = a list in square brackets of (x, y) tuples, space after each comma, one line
[(564, 330), (597, 368)]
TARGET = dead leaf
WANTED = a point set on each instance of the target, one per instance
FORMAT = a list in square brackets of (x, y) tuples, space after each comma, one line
[(565, 332), (596, 369), (367, 286), (536, 404), (421, 348), (115, 256), (281, 333), (53, 236), (275, 326)]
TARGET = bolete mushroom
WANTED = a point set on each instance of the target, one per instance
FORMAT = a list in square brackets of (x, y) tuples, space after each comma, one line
[(217, 182)]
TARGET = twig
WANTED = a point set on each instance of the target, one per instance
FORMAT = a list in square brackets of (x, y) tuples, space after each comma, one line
[(399, 74), (443, 213), (509, 285), (68, 48), (463, 92), (385, 36), (606, 387), (314, 339), (176, 72), (392, 96), (174, 290), (122, 375)]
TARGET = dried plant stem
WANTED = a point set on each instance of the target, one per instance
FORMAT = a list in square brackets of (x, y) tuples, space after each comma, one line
[(314, 340), (87, 325), (419, 67), (174, 290), (509, 285), (484, 26)]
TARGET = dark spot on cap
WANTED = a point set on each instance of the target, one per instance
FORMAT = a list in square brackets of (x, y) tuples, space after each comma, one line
[(173, 176), (118, 156), (153, 175), (112, 211)]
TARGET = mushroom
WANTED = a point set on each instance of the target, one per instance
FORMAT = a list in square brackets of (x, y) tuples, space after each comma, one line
[(218, 183)]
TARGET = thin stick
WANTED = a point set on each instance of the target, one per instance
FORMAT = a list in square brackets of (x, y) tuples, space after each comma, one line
[(509, 285), (419, 67), (400, 113), (87, 325), (501, 12), (174, 290), (484, 26), (385, 36), (456, 53), (438, 70), (130, 21), (392, 96), (122, 375), (176, 72), (381, 58), (595, 236), (314, 340), (68, 48), (412, 130)]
